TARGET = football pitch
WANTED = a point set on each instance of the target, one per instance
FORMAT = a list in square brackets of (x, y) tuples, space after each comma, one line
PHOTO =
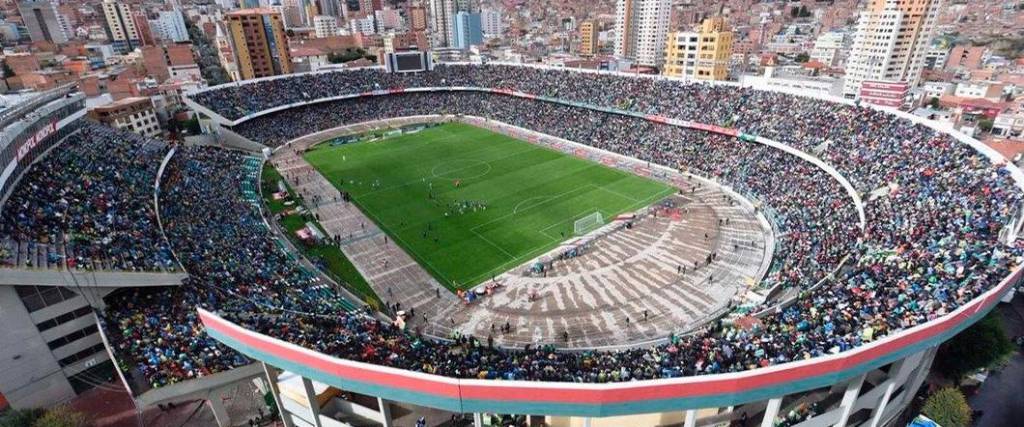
[(468, 203)]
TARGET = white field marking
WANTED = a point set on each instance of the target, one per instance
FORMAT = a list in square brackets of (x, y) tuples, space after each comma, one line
[(481, 236), (544, 230), (432, 177), (516, 208), (550, 198), (433, 170), (539, 249)]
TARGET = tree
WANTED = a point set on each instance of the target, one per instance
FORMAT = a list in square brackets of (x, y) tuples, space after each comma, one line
[(948, 407), (62, 416), (985, 125), (8, 71), (802, 58), (978, 346), (20, 417), (934, 103)]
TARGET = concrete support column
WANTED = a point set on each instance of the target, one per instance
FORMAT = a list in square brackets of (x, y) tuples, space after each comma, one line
[(314, 407), (876, 415), (849, 400), (385, 412), (478, 419), (271, 374), (898, 374), (220, 413), (771, 412), (586, 422), (690, 420)]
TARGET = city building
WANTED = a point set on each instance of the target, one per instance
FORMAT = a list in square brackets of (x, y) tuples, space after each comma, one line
[(159, 60), (417, 18), (681, 54), (143, 29), (1009, 125), (468, 30), (890, 43), (120, 24), (364, 25), (827, 48), (226, 51), (490, 22), (134, 114), (702, 55), (641, 28), (388, 19), (588, 38), (442, 25), (169, 26), (325, 26), (937, 90), (989, 90), (259, 43), (965, 58), (42, 21)]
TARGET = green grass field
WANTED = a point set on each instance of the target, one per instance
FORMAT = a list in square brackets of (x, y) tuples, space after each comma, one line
[(531, 195)]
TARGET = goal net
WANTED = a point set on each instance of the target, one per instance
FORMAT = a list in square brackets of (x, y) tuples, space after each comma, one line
[(588, 223)]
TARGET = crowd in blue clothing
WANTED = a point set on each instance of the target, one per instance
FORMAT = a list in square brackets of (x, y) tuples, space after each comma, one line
[(91, 200)]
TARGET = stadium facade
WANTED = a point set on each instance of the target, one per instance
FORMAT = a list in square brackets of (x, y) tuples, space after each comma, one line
[(868, 385)]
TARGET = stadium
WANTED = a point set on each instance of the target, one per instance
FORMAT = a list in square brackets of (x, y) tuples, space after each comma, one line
[(505, 242)]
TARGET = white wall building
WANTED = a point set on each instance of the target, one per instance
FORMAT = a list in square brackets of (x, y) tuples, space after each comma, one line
[(364, 25), (325, 26), (827, 47), (641, 27), (890, 44), (490, 23), (169, 25), (991, 91)]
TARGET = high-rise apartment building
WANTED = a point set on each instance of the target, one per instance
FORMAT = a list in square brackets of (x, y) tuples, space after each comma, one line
[(490, 22), (417, 18), (169, 26), (442, 20), (641, 27), (259, 43), (442, 16), (468, 30), (42, 21), (588, 38), (121, 25), (701, 55), (325, 26), (890, 44)]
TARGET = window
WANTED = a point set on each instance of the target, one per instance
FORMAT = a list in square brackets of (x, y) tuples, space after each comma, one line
[(64, 318), (37, 298), (89, 352), (72, 337)]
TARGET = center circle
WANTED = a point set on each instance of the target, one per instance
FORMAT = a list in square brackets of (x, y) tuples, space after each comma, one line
[(461, 169)]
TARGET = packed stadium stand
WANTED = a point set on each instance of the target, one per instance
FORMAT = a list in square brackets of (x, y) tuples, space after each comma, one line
[(887, 236)]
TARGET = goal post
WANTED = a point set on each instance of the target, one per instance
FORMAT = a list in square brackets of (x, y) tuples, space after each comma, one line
[(588, 223)]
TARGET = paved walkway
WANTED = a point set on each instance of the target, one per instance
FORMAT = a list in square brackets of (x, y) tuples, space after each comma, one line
[(648, 269)]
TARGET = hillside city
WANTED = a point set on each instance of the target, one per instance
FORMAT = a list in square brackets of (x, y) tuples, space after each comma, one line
[(957, 62)]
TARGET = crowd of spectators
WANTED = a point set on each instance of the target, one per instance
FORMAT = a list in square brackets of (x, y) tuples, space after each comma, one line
[(232, 262), (91, 203), (932, 241)]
